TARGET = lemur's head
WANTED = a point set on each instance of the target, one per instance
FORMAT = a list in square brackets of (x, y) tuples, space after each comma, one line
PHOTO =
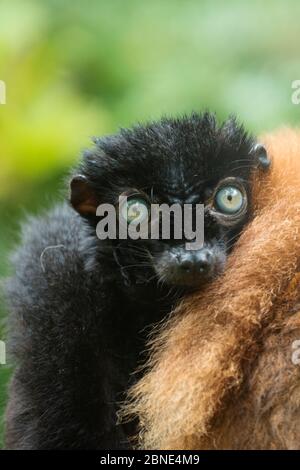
[(189, 160)]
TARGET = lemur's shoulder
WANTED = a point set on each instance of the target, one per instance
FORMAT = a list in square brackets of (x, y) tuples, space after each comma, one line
[(49, 241), (49, 263)]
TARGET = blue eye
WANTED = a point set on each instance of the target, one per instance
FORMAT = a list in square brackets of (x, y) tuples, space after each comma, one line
[(135, 211), (229, 200)]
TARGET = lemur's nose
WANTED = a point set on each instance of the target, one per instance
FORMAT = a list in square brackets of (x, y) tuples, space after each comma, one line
[(199, 262)]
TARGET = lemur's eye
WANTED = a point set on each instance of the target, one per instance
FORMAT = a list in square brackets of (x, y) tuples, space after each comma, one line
[(135, 211), (229, 200)]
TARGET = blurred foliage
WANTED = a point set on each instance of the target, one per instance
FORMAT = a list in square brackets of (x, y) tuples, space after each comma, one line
[(74, 69)]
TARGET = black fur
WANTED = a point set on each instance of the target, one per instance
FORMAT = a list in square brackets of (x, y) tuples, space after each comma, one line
[(80, 308)]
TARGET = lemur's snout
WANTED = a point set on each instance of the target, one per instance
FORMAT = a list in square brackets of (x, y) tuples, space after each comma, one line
[(195, 262), (183, 267)]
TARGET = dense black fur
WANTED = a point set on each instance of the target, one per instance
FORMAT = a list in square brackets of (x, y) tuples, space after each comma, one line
[(80, 308)]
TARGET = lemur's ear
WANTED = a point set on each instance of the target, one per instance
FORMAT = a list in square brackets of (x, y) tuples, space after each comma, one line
[(82, 196), (261, 155)]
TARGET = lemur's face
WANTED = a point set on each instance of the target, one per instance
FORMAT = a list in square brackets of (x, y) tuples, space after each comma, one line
[(182, 161)]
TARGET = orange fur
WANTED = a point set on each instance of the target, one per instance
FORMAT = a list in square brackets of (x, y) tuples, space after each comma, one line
[(220, 373)]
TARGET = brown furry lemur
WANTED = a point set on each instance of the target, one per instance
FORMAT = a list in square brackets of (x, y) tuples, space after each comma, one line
[(81, 308), (221, 373)]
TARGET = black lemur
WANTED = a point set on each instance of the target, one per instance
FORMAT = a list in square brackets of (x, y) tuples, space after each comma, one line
[(81, 308)]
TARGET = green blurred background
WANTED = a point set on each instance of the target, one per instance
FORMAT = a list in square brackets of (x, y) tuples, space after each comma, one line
[(74, 69)]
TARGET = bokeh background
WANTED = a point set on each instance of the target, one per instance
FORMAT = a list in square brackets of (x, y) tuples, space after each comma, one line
[(74, 69)]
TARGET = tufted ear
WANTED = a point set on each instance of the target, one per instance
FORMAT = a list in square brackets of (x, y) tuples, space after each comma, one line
[(261, 155), (82, 196)]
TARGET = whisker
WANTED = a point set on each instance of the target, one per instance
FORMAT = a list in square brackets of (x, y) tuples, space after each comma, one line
[(242, 167), (142, 265), (242, 160)]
